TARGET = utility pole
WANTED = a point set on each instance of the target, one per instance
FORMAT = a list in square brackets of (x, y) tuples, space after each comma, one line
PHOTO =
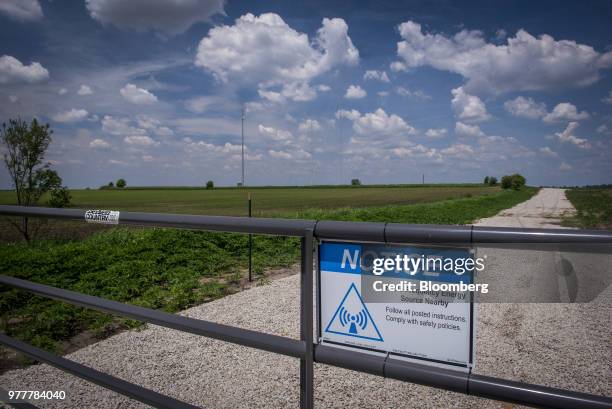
[(423, 178), (242, 120)]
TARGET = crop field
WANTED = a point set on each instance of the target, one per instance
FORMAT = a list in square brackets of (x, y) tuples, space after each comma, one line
[(266, 201), (173, 269)]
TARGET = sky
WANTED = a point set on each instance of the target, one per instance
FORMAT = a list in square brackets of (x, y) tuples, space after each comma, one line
[(153, 91)]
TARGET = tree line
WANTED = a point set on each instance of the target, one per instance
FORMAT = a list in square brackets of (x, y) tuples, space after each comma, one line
[(515, 181)]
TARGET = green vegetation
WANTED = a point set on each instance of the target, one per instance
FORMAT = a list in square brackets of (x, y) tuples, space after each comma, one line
[(593, 206), (25, 147), (173, 269), (266, 201), (456, 211), (490, 180), (515, 181), (156, 268)]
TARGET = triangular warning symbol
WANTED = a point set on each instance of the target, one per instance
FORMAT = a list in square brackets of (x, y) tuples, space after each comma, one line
[(352, 318)]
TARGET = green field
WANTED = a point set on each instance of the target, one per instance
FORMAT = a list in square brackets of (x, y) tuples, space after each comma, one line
[(593, 208), (173, 269), (266, 201)]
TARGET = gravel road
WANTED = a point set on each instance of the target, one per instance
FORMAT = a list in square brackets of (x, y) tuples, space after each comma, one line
[(560, 345)]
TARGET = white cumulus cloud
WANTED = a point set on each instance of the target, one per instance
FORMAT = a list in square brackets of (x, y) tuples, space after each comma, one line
[(468, 107), (523, 63), (22, 10), (351, 115), (406, 92), (119, 126), (278, 135), (74, 115), (84, 90), (525, 108), (376, 75), (603, 129), (436, 133), (13, 71), (99, 144), (309, 125), (139, 140), (565, 112), (297, 154), (462, 129), (137, 95), (168, 16), (355, 92), (546, 151), (266, 52), (608, 99), (377, 123), (568, 136)]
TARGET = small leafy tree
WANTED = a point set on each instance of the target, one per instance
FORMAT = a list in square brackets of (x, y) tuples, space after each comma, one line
[(492, 181), (210, 184), (355, 182), (518, 181), (121, 183), (486, 180), (515, 181), (26, 146), (60, 197), (111, 184), (506, 182)]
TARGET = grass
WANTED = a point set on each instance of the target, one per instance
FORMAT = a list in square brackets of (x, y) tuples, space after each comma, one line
[(454, 211), (173, 269), (266, 201), (593, 208)]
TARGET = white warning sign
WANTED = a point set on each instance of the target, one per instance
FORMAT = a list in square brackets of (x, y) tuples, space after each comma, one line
[(415, 315)]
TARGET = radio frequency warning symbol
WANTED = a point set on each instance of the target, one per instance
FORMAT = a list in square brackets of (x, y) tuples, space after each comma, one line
[(352, 318)]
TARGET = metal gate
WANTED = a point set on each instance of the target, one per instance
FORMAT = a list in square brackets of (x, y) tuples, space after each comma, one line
[(305, 349)]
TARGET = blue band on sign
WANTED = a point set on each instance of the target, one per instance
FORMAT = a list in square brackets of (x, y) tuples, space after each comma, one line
[(340, 257)]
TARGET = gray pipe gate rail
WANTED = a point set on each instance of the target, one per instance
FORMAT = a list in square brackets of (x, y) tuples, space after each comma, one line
[(305, 349)]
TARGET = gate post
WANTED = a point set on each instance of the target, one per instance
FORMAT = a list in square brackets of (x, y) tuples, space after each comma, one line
[(306, 322)]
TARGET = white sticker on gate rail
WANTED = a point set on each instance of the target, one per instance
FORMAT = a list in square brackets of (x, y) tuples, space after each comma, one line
[(102, 216)]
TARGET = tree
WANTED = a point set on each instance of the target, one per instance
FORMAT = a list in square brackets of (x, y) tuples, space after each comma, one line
[(518, 181), (355, 182), (111, 184), (26, 146), (492, 181), (121, 183), (486, 180), (60, 197), (515, 181), (210, 184), (506, 182)]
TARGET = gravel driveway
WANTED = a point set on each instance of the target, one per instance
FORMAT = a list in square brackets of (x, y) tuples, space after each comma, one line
[(560, 345)]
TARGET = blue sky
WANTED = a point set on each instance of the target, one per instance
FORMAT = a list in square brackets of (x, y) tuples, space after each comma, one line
[(152, 91)]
